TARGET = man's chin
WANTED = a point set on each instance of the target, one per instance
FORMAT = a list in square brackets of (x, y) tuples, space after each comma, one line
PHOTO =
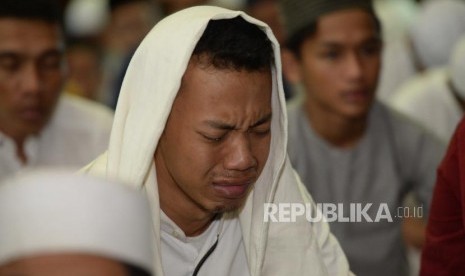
[(358, 113), (228, 207), (33, 128)]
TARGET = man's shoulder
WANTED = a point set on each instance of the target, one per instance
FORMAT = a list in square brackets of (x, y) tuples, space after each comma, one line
[(295, 123), (408, 135), (421, 92), (397, 121), (82, 114), (96, 167), (294, 111), (86, 109)]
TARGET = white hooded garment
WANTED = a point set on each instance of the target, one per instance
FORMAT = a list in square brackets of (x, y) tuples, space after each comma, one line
[(431, 91), (149, 88), (438, 26)]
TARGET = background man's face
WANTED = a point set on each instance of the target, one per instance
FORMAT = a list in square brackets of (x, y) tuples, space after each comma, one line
[(64, 264), (129, 24), (217, 138), (339, 65), (31, 75)]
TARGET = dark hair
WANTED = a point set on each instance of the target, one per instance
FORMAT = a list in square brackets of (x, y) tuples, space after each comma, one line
[(45, 10), (235, 44), (295, 41), (133, 270), (114, 4)]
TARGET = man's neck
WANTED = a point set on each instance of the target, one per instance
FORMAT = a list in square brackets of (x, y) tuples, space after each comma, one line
[(21, 153), (19, 143), (191, 223), (190, 217), (339, 131)]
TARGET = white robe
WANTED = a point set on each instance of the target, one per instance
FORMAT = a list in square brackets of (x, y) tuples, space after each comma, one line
[(151, 83), (428, 99), (76, 134)]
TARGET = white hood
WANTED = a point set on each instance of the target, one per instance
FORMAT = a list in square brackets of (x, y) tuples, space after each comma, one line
[(438, 26), (149, 88)]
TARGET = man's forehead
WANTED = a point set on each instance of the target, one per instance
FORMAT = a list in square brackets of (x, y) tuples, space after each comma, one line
[(35, 36), (211, 89), (354, 25), (205, 62)]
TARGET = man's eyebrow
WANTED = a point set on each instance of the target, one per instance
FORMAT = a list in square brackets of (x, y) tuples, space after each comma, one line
[(219, 125), (373, 39), (9, 54), (12, 54), (330, 44), (53, 52), (333, 44), (263, 120), (226, 126)]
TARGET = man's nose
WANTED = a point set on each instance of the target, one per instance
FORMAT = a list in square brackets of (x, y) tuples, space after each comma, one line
[(30, 80), (240, 156), (354, 67)]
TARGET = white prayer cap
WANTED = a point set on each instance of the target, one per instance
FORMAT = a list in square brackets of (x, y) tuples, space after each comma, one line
[(86, 17), (53, 212), (437, 28), (396, 17), (457, 67)]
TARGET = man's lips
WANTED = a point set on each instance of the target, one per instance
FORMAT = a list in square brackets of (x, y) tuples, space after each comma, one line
[(31, 114), (233, 188), (356, 95)]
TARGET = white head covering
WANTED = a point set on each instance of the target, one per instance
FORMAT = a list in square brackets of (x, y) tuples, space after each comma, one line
[(48, 212), (86, 17), (457, 68), (149, 88), (396, 17), (436, 29)]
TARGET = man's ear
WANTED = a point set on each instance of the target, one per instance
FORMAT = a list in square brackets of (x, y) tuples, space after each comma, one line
[(291, 66)]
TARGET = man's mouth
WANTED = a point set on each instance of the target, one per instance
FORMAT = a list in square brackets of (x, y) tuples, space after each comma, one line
[(356, 95), (233, 188), (32, 114)]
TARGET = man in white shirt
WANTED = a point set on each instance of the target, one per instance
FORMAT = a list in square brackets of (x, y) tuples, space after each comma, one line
[(436, 99), (200, 127), (37, 126)]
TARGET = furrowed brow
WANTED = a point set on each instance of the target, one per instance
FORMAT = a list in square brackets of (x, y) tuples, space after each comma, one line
[(9, 54), (53, 52), (219, 125), (263, 120), (226, 126), (331, 45)]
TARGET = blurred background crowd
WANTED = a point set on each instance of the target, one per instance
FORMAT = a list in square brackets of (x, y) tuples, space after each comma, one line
[(419, 39)]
